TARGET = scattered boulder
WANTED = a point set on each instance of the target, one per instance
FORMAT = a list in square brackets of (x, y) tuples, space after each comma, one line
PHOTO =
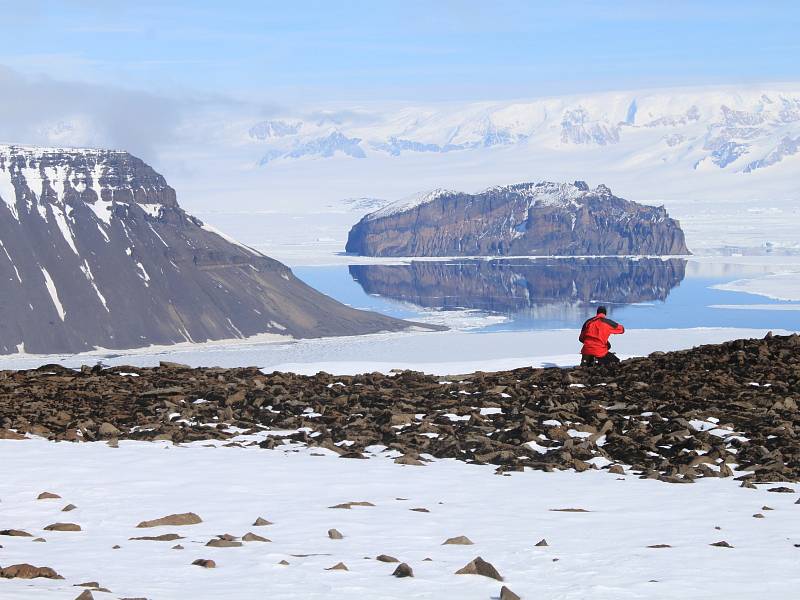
[(206, 563), (386, 558), (26, 571), (660, 546), (222, 543), (403, 570), (478, 566), (338, 567), (63, 527), (15, 533), (261, 522), (68, 508), (541, 542), (172, 520), (721, 544), (460, 540), (570, 510), (166, 537), (422, 510), (39, 539), (177, 547), (85, 595), (284, 562), (782, 490), (47, 496), (349, 505), (335, 534), (507, 594), (252, 537)]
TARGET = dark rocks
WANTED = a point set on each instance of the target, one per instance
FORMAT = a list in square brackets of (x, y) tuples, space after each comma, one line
[(338, 567), (335, 534), (403, 570), (570, 510), (261, 522), (660, 546), (68, 508), (167, 537), (85, 595), (252, 537), (348, 505), (15, 533), (478, 566), (172, 520), (721, 544), (222, 543), (542, 542), (26, 571), (782, 490), (659, 432)]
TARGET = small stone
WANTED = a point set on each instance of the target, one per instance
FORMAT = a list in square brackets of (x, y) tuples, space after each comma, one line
[(284, 562), (409, 460), (422, 510), (252, 537), (218, 543), (349, 505), (758, 516), (403, 570), (616, 469), (386, 558), (767, 508), (570, 510), (334, 534), (660, 546), (338, 567), (39, 539), (63, 527), (507, 594), (85, 595), (206, 563), (68, 508), (428, 559), (47, 496), (721, 544), (781, 490), (172, 520), (260, 522), (542, 542), (461, 540), (15, 533), (89, 584), (167, 537), (478, 566), (177, 547), (116, 547)]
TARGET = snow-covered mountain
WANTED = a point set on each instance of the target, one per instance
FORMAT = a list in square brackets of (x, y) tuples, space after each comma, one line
[(96, 252), (739, 130)]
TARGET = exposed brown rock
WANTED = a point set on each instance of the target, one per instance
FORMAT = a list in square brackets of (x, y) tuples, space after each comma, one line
[(572, 510), (660, 546), (721, 544), (478, 566), (460, 540), (782, 490), (173, 520), (68, 508), (166, 537), (349, 505), (15, 533), (218, 543), (403, 570), (206, 563), (252, 537), (26, 571), (63, 527), (386, 558), (261, 522), (338, 567), (335, 534), (507, 594), (47, 496), (85, 595), (542, 542)]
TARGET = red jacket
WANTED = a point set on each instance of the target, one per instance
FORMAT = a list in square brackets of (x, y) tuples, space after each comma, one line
[(594, 335)]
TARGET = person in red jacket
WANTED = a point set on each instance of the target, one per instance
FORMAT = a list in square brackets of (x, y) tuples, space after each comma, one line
[(594, 335)]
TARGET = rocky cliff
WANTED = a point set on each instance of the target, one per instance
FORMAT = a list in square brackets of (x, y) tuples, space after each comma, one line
[(506, 286), (540, 219), (96, 252)]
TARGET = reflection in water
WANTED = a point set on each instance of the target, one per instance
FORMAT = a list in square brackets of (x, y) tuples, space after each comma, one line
[(549, 288)]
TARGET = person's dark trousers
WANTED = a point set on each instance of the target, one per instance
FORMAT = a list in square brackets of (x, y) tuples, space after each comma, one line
[(591, 361)]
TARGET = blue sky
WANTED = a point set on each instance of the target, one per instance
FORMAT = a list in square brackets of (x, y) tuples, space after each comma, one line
[(306, 51)]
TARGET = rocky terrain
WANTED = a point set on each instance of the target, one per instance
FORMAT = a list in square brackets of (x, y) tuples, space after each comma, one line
[(679, 416), (96, 252), (506, 286), (526, 219)]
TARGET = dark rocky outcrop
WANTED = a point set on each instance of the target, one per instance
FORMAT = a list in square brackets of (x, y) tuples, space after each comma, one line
[(96, 252), (674, 416), (526, 219), (511, 286)]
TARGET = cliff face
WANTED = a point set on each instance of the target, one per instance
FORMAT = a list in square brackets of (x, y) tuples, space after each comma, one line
[(506, 287), (96, 252), (528, 219)]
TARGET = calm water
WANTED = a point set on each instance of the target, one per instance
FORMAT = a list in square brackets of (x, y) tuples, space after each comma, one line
[(555, 293)]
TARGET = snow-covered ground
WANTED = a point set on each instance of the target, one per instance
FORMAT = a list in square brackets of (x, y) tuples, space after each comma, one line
[(602, 553)]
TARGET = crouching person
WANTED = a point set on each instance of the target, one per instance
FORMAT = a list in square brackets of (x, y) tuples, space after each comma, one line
[(594, 336)]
